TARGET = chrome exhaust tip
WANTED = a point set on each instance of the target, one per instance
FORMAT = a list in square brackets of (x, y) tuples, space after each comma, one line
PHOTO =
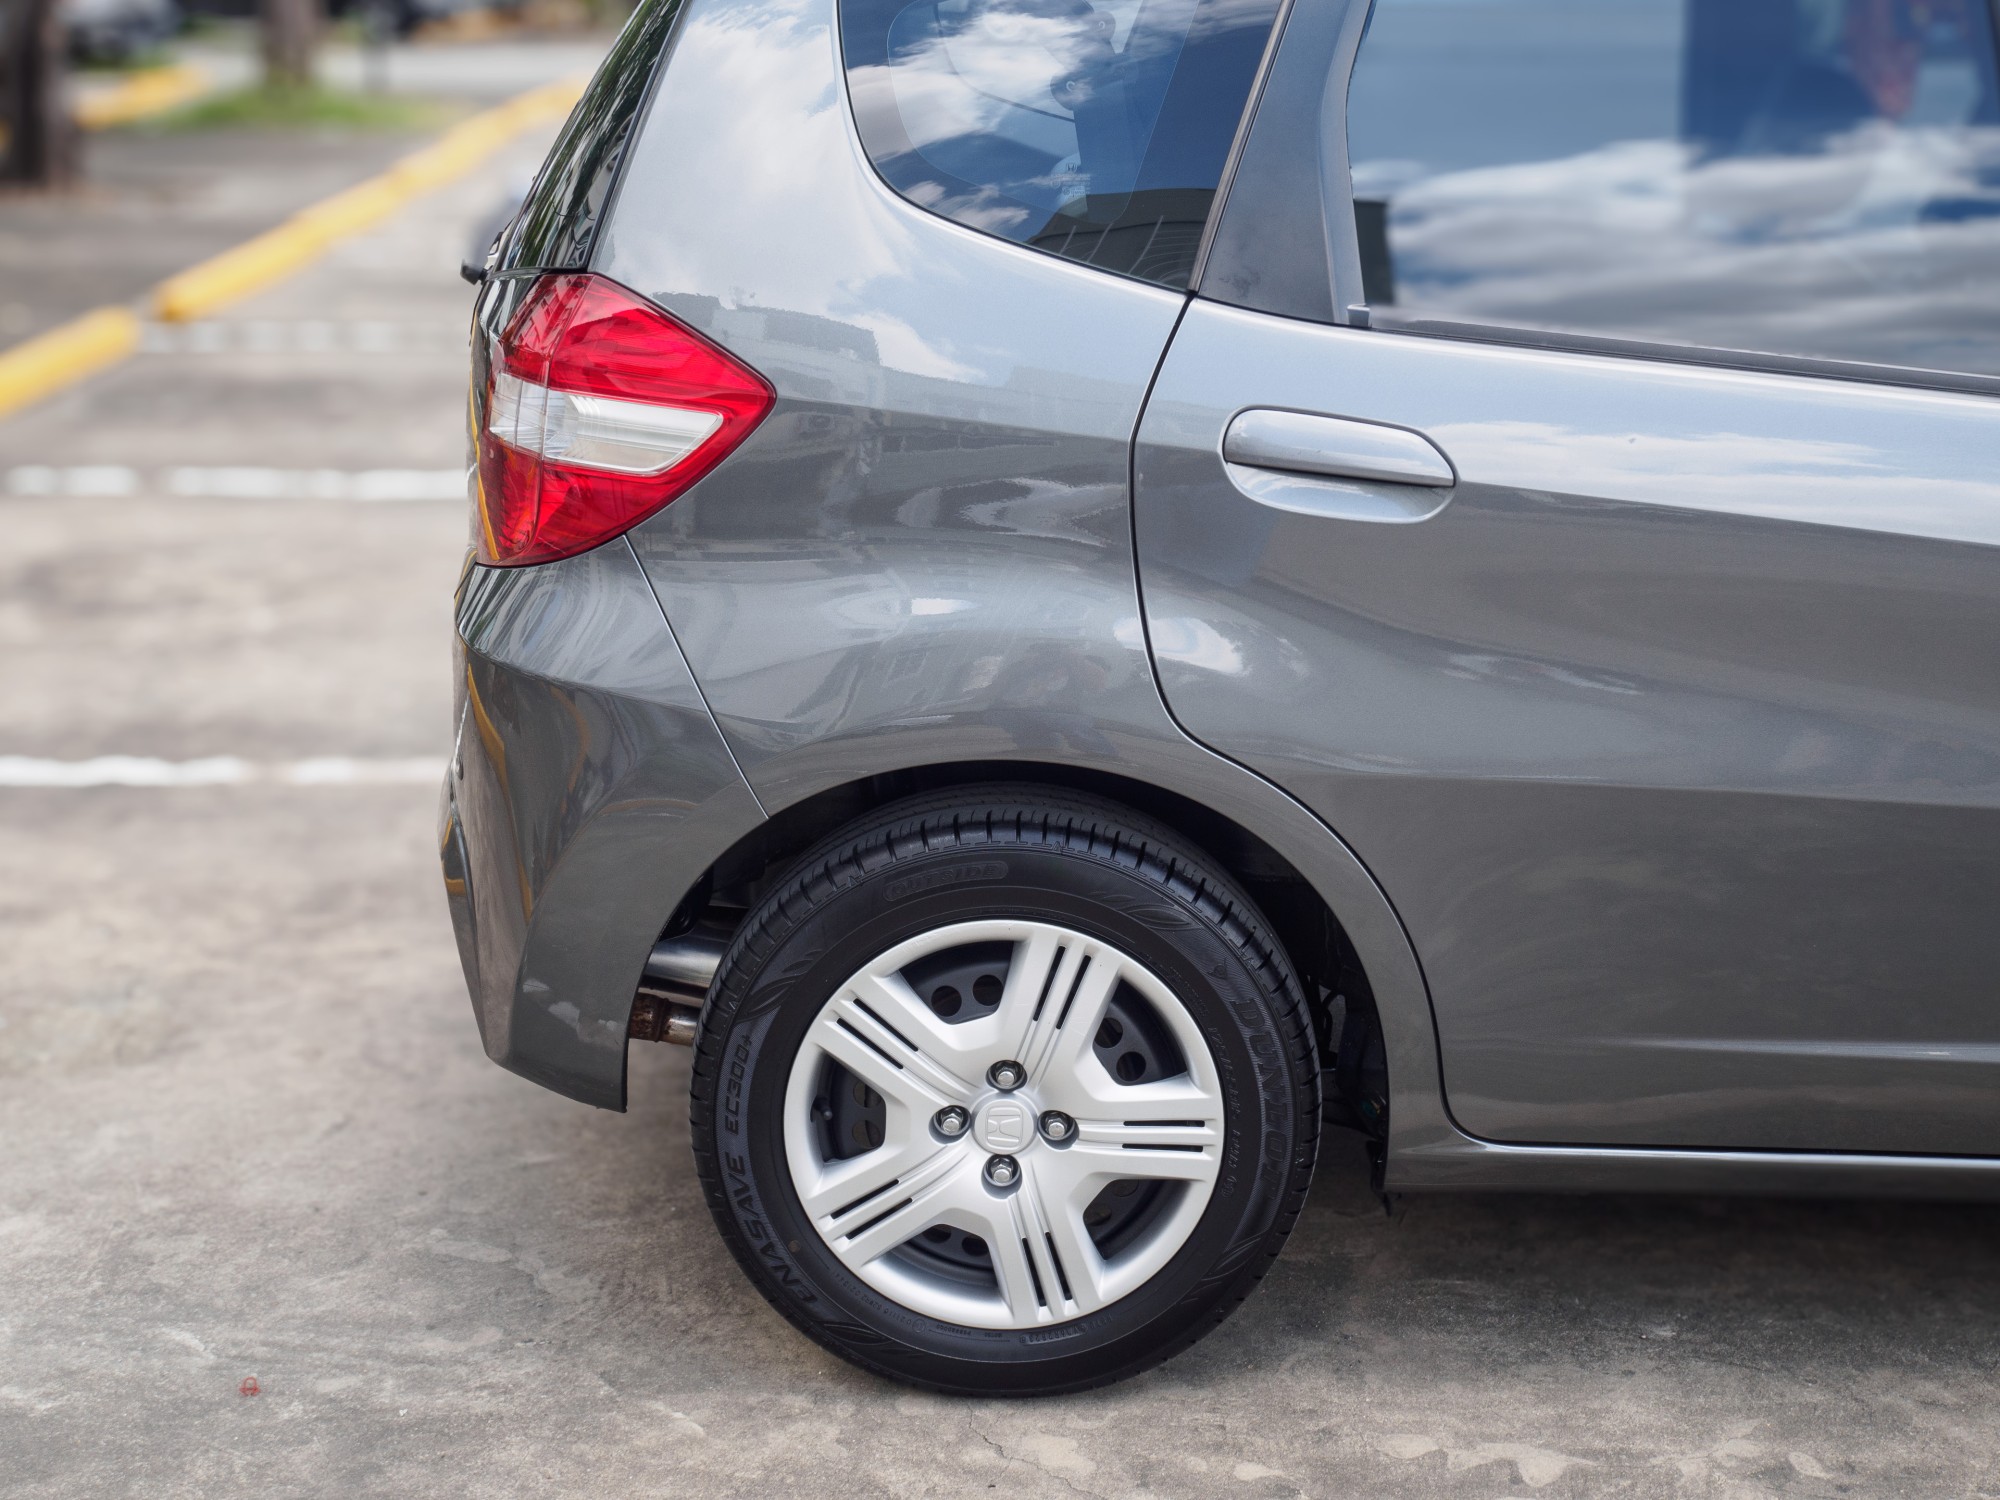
[(686, 964)]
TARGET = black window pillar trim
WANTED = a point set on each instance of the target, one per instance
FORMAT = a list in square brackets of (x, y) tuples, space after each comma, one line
[(1241, 138), (1343, 240), (1281, 236)]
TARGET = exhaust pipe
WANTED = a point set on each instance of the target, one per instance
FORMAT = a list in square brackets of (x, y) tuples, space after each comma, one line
[(687, 964), (674, 987)]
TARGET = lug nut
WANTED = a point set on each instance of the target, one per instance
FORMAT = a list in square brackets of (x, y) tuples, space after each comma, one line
[(1002, 1171), (1057, 1126), (951, 1121), (1007, 1075)]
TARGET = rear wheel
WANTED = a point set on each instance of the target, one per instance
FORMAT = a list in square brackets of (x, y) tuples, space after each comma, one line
[(1007, 1091)]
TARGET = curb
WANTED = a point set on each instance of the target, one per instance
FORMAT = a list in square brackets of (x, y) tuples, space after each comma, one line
[(66, 354)]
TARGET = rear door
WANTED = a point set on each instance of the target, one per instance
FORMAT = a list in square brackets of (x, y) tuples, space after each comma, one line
[(1577, 481)]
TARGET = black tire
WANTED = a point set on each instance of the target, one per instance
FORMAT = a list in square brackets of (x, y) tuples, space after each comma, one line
[(1007, 851)]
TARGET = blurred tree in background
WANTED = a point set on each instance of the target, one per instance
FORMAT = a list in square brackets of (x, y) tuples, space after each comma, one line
[(41, 139), (291, 36)]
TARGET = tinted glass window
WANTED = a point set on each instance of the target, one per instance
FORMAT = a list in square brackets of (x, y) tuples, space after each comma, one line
[(1803, 177), (559, 219), (1096, 132)]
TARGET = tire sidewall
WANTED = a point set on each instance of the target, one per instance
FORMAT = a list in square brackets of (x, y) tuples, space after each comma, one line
[(764, 1010)]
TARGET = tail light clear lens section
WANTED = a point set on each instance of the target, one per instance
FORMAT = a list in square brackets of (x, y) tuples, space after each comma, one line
[(601, 410)]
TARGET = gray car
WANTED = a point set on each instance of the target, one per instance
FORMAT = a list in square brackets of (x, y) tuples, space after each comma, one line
[(1074, 591)]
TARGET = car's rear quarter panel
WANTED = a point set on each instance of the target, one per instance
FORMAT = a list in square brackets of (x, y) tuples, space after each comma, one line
[(929, 539)]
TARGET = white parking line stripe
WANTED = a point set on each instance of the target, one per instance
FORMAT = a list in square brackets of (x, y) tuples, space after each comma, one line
[(307, 336), (216, 770), (85, 480), (317, 484), (368, 486)]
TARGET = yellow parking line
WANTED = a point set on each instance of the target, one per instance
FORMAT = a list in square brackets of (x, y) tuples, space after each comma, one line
[(249, 267), (149, 91), (67, 354)]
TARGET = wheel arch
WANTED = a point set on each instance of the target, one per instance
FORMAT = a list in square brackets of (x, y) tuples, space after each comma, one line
[(1339, 967)]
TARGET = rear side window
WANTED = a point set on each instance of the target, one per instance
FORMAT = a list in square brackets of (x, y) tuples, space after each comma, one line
[(1095, 132), (559, 220), (1816, 178)]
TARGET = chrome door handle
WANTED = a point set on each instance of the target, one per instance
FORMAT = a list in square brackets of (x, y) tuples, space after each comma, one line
[(1334, 446), (1336, 467)]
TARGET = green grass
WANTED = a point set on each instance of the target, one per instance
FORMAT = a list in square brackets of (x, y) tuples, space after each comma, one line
[(315, 107)]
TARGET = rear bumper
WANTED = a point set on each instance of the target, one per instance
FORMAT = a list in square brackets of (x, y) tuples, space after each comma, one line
[(589, 790)]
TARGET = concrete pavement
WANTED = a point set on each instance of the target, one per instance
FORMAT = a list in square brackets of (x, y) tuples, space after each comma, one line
[(247, 1133), (154, 203)]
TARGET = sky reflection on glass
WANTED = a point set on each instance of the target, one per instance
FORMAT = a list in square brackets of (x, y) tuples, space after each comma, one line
[(1809, 177), (1096, 132)]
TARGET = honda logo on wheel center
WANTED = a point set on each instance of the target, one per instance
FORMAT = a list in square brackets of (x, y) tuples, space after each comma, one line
[(1003, 1125)]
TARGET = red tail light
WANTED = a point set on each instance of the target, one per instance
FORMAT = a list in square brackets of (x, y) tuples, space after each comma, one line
[(601, 410)]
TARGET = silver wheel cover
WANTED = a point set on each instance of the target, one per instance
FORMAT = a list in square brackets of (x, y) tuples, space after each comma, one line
[(1044, 1261)]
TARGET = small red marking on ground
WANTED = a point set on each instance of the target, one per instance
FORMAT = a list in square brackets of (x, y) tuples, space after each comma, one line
[(249, 1386)]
